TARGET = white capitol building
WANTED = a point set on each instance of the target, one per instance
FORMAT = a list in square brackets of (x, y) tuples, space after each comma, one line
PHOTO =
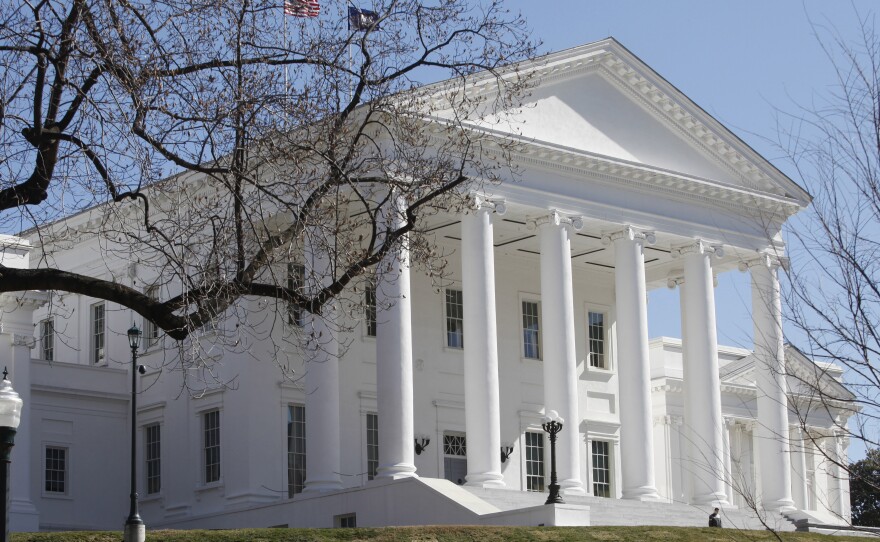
[(429, 409)]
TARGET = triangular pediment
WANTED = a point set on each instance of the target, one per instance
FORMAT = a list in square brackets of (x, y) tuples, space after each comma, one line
[(601, 101)]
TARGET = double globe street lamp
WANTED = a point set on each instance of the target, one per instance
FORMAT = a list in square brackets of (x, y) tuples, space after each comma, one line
[(552, 424), (135, 531), (10, 417)]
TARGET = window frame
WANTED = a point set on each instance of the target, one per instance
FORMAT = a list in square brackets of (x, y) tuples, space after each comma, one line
[(65, 472), (372, 443), (293, 488), (608, 468), (607, 338), (528, 461), (94, 335), (47, 339), (296, 279), (151, 330), (209, 445), (370, 309), (149, 459), (447, 318), (536, 300)]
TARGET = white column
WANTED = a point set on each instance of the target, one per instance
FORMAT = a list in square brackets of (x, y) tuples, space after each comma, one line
[(772, 430), (322, 375), (799, 490), (702, 382), (481, 387), (728, 462), (394, 368), (560, 361), (633, 366), (16, 342)]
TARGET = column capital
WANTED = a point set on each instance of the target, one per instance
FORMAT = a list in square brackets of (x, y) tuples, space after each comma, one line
[(764, 260), (24, 340), (482, 202), (557, 218), (730, 421), (699, 246), (630, 233)]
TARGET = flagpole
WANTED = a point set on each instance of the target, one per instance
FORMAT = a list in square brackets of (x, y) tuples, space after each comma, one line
[(286, 91)]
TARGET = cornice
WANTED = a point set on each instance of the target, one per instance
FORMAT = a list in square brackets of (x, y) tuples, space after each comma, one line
[(617, 173)]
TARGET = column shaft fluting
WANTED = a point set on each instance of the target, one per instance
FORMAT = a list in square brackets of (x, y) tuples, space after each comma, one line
[(634, 369), (772, 428), (481, 386), (560, 361), (394, 368)]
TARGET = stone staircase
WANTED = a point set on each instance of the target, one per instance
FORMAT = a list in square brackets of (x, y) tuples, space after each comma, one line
[(635, 513)]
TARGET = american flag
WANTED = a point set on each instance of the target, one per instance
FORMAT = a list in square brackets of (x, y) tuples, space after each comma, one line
[(302, 8)]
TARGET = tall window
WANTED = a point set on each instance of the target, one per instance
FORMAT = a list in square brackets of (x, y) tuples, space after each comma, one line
[(296, 277), (98, 333), (372, 445), (296, 449), (151, 330), (55, 473), (370, 309), (47, 339), (534, 461), (531, 330), (152, 457), (211, 424), (454, 319), (601, 469), (597, 339)]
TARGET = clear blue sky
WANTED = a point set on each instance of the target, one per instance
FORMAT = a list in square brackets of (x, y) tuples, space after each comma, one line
[(742, 61)]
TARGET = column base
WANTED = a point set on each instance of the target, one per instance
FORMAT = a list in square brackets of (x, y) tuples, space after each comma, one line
[(23, 517), (781, 505), (644, 494), (396, 472), (485, 480), (134, 532), (572, 487), (322, 486), (711, 499)]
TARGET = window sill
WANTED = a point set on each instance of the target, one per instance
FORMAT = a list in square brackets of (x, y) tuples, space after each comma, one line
[(210, 486), (58, 496), (152, 497)]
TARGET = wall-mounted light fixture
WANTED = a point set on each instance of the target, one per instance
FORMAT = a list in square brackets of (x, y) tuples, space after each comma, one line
[(422, 442), (506, 450)]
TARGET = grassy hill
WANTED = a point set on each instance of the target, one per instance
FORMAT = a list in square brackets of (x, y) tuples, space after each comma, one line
[(447, 534)]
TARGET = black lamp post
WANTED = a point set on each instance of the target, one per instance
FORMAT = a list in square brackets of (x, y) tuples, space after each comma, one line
[(10, 417), (552, 424), (134, 525)]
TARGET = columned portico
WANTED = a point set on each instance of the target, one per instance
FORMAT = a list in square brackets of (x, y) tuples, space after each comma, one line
[(394, 369), (321, 378), (481, 388), (633, 368), (560, 361), (772, 429), (701, 379)]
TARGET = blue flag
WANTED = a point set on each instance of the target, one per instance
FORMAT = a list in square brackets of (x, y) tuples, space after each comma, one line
[(362, 19)]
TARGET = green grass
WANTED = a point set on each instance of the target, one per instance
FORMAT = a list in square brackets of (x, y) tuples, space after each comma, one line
[(447, 534)]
